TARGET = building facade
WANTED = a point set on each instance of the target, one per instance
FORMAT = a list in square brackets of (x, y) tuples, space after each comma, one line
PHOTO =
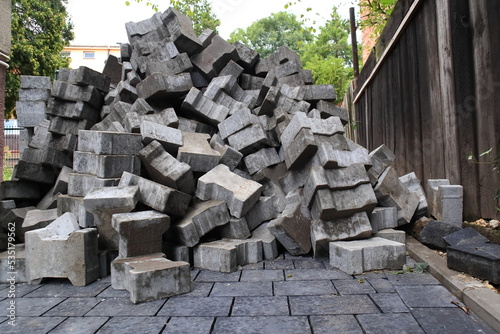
[(93, 57)]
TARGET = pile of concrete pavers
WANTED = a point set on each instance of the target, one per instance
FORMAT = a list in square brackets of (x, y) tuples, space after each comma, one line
[(204, 154)]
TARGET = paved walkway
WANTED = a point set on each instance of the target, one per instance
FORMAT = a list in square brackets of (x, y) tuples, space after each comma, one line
[(287, 295)]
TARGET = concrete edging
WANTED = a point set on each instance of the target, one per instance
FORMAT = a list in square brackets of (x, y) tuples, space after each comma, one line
[(472, 292)]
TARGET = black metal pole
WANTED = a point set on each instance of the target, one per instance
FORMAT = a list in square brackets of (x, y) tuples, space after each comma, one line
[(354, 43)]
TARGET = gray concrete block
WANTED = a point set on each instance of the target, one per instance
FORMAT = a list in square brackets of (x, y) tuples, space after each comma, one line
[(269, 243), (356, 257), (173, 66), (143, 27), (109, 143), (191, 125), (140, 232), (15, 216), (391, 234), (165, 169), (66, 91), (232, 68), (19, 264), (125, 92), (300, 151), (41, 135), (34, 81), (236, 228), (264, 210), (205, 109), (199, 220), (19, 190), (480, 260), (312, 93), (150, 277), (331, 204), (336, 152), (48, 156), (170, 138), (465, 236), (64, 126), (261, 159), (180, 28), (158, 196), (105, 166), (141, 106), (30, 113), (221, 184), (384, 218), (211, 60), (36, 219), (197, 152), (84, 76), (292, 229), (381, 158), (238, 121), (35, 94), (166, 117), (250, 139), (250, 82), (35, 172), (66, 203), (391, 192), (433, 233), (62, 250), (159, 86), (228, 155), (328, 109), (323, 232), (449, 206), (413, 184), (80, 185), (247, 57)]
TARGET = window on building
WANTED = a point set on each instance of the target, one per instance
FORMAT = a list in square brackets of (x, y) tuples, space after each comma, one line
[(66, 54), (88, 54)]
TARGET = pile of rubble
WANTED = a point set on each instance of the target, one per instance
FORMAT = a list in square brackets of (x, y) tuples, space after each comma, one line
[(194, 151)]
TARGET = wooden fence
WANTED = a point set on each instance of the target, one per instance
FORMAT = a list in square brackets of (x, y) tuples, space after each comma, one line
[(430, 91)]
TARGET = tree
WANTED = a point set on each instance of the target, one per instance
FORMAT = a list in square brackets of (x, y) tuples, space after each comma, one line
[(266, 35), (40, 30), (199, 11), (329, 56)]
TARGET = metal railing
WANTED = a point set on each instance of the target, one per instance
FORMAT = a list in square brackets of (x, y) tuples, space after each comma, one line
[(11, 151)]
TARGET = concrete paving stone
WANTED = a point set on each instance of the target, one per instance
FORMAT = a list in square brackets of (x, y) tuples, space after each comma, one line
[(411, 279), (189, 325), (261, 275), (200, 289), (381, 285), (22, 289), (79, 325), (315, 274), (181, 306), (353, 287), (261, 324), (146, 325), (480, 260), (251, 289), (304, 288), (64, 288), (260, 306), (109, 292), (279, 264), (335, 324), (215, 276), (308, 264), (449, 321), (197, 152), (31, 307), (426, 296), (73, 307), (31, 325), (123, 307), (389, 302), (323, 305), (389, 323), (158, 86)]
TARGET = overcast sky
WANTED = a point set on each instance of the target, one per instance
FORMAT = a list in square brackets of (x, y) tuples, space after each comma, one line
[(102, 22)]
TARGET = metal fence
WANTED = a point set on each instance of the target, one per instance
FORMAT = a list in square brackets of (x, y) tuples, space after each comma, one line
[(11, 152)]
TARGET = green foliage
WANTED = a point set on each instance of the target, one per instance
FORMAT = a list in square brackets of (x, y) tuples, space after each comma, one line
[(40, 30), (375, 13), (199, 11), (266, 35)]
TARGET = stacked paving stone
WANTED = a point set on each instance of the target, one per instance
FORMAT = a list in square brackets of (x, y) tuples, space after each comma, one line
[(205, 154)]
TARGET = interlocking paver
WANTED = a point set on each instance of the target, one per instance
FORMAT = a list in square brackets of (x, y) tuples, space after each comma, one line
[(31, 325), (410, 278), (200, 289), (189, 325), (31, 307), (197, 307), (215, 276), (79, 325), (279, 264), (109, 292), (233, 289), (304, 288), (278, 324), (308, 264), (322, 305), (426, 296), (448, 321), (335, 324), (64, 288), (261, 275), (353, 287), (389, 323), (253, 266), (381, 285), (73, 307), (260, 306), (389, 302), (123, 307), (22, 289), (315, 274), (145, 325)]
